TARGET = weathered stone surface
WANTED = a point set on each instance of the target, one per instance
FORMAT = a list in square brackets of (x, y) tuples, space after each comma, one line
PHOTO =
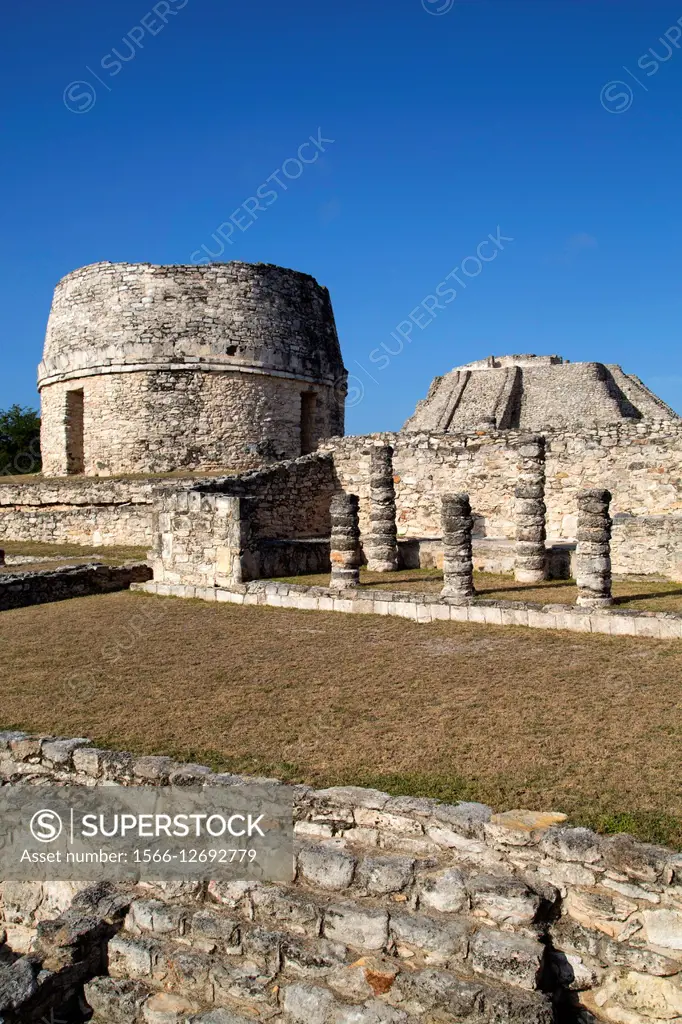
[(17, 984), (443, 890), (457, 526), (381, 875), (518, 828), (465, 931), (307, 1004), (663, 927), (593, 555), (167, 1008), (596, 910), (515, 959), (326, 866), (114, 1000), (360, 928), (441, 940), (381, 542), (300, 915), (137, 340), (530, 564), (346, 555), (363, 979), (659, 998), (505, 900), (572, 844)]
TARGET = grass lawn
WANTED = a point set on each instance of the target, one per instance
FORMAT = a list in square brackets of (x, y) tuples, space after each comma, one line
[(68, 554), (587, 724), (637, 593)]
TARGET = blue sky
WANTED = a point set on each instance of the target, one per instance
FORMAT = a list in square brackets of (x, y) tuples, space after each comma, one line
[(450, 122)]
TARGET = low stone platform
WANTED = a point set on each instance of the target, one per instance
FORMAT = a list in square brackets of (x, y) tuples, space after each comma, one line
[(432, 608)]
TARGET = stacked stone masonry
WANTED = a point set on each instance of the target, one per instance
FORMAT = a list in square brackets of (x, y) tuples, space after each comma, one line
[(19, 590), (401, 910), (530, 510), (458, 566), (426, 608), (233, 529), (149, 369), (594, 549), (637, 461), (345, 552), (531, 392), (381, 543)]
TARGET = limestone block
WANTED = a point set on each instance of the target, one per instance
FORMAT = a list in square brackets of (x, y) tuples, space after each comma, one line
[(515, 959), (326, 866), (443, 890), (504, 900), (379, 876), (364, 929), (441, 940)]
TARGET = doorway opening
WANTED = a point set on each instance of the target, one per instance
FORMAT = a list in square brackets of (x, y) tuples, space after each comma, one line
[(75, 441), (308, 403)]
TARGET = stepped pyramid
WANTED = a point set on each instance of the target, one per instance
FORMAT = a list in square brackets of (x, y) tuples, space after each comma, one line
[(529, 392)]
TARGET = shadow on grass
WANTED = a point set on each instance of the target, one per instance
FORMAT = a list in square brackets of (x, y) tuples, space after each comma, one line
[(650, 595)]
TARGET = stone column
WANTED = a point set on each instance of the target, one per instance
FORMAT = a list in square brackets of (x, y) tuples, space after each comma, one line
[(346, 555), (593, 555), (530, 564), (458, 565), (381, 544)]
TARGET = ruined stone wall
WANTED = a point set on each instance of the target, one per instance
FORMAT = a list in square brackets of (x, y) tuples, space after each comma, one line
[(91, 513), (647, 544), (187, 366), (292, 497), (638, 462), (157, 422), (427, 466), (402, 910), (218, 534), (22, 589), (203, 539)]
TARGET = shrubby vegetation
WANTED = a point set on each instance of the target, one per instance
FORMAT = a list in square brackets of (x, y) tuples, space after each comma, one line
[(19, 441)]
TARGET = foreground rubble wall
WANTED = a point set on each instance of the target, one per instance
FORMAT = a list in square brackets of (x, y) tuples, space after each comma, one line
[(402, 910)]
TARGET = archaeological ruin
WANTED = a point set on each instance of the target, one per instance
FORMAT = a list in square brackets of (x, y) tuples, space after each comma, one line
[(150, 369), (198, 412), (229, 377)]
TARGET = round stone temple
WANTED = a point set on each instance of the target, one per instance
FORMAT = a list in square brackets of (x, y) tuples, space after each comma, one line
[(151, 369)]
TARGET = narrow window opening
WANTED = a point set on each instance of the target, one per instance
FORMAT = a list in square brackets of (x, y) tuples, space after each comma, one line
[(75, 446), (308, 402)]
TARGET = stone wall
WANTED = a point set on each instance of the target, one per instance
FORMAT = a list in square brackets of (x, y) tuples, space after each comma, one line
[(426, 466), (638, 462), (647, 544), (187, 367), (222, 532), (401, 910), (18, 590), (91, 513), (292, 497), (157, 422), (425, 608), (204, 539)]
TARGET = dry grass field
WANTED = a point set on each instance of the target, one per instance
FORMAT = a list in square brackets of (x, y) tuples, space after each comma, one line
[(57, 556), (587, 724), (636, 593)]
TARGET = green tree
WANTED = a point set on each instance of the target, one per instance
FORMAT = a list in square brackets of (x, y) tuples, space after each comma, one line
[(19, 441)]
